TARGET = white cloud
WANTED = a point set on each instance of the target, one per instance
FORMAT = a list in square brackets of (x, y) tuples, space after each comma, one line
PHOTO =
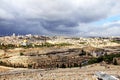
[(63, 9), (107, 29), (5, 15)]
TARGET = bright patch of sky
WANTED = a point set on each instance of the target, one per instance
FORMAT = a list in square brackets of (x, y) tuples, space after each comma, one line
[(107, 20)]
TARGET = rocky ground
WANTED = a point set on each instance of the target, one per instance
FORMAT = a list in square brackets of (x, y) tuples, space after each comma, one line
[(84, 73)]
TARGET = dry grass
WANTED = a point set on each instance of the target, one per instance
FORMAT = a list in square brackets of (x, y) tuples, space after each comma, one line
[(84, 73)]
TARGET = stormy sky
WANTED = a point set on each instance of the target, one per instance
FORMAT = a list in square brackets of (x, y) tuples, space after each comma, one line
[(60, 17)]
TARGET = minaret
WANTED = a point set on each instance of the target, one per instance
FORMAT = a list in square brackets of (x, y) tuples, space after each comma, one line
[(13, 35)]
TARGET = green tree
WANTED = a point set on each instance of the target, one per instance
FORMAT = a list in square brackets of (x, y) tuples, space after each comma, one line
[(63, 66), (82, 53), (115, 62), (75, 65), (57, 65)]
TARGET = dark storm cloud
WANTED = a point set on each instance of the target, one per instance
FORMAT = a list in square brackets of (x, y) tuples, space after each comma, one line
[(53, 16)]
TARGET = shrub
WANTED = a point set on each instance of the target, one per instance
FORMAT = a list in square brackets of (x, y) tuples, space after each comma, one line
[(21, 54), (29, 65)]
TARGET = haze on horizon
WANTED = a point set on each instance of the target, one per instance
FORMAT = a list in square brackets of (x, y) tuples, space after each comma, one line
[(60, 17)]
